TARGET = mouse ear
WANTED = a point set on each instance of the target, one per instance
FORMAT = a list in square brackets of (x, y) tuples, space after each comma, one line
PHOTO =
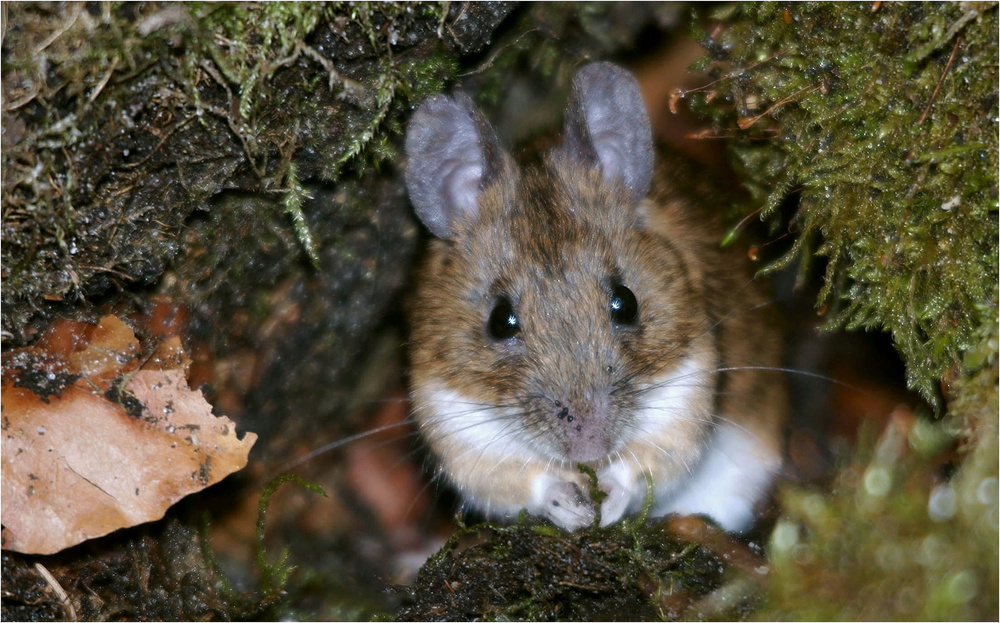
[(451, 152), (607, 125)]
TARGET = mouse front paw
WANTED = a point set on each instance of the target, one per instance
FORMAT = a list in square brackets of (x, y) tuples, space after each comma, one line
[(615, 504), (564, 504), (623, 493)]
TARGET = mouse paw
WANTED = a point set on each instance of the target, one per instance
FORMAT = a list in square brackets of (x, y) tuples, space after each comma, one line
[(564, 504), (614, 506)]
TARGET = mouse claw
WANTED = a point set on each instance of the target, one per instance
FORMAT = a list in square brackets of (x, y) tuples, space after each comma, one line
[(566, 506)]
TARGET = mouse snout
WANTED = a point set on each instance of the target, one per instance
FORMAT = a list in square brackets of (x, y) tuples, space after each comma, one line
[(582, 427)]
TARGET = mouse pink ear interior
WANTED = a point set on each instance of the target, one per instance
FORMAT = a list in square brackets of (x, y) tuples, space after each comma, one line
[(607, 126), (451, 152)]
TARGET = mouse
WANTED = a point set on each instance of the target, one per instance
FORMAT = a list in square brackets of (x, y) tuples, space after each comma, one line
[(576, 311)]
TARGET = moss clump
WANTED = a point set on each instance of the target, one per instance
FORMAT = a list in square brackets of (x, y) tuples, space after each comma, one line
[(531, 571), (883, 120), (895, 540), (201, 153), (120, 121)]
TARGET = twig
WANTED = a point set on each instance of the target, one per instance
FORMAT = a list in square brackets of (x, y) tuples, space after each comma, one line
[(104, 81), (235, 127), (169, 16), (955, 29), (58, 590), (332, 74), (681, 93), (109, 270), (35, 89), (445, 7), (747, 122), (77, 6), (493, 56), (944, 73), (451, 31), (214, 73)]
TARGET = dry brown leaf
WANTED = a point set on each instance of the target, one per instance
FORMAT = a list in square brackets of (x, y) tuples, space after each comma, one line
[(82, 461)]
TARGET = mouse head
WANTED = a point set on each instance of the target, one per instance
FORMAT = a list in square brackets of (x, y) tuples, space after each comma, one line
[(545, 301)]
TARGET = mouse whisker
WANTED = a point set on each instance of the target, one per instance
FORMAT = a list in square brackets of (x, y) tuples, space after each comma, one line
[(341, 443), (805, 373)]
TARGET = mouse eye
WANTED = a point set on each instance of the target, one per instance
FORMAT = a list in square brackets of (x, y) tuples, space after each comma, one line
[(623, 306), (503, 323)]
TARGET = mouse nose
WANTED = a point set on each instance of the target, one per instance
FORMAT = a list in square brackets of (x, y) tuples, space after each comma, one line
[(583, 428)]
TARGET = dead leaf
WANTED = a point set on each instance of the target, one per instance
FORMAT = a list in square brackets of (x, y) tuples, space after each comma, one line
[(115, 448)]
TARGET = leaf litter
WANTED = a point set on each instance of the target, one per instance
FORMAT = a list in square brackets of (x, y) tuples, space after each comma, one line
[(97, 437)]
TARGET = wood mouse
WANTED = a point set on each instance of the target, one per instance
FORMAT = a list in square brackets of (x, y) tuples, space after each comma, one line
[(580, 311)]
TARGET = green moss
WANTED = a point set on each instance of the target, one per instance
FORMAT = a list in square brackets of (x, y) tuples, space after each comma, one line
[(249, 44), (274, 575), (883, 121), (148, 110), (881, 118), (894, 541), (533, 572), (294, 198)]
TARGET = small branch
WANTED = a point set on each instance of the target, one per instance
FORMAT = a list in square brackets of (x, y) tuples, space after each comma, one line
[(682, 93), (169, 16), (104, 81), (77, 6), (445, 7), (35, 89), (496, 53), (747, 122), (58, 590), (333, 75), (111, 271), (956, 28), (236, 128), (944, 73)]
